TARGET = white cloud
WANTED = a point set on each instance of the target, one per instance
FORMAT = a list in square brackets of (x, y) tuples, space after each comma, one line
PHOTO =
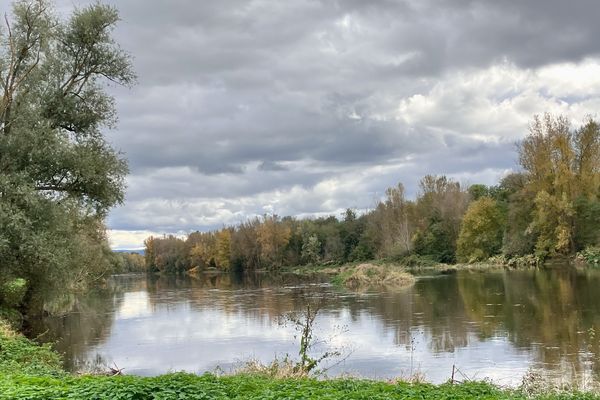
[(129, 240)]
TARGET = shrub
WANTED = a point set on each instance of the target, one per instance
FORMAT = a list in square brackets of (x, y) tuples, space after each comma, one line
[(590, 256), (13, 292), (369, 275)]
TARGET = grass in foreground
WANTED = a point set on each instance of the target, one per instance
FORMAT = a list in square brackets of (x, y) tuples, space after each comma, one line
[(187, 386)]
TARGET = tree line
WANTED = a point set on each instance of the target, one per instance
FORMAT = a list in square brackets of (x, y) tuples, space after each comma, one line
[(550, 208)]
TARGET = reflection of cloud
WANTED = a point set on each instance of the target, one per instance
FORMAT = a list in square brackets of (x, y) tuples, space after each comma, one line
[(199, 330), (467, 320), (134, 305)]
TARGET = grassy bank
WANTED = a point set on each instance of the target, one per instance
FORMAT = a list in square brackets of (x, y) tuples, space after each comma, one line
[(400, 273), (187, 386), (33, 372), (386, 274), (358, 276)]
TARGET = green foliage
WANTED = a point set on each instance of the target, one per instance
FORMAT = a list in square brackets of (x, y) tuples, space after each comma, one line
[(124, 262), (526, 261), (587, 221), (481, 231), (478, 191), (553, 223), (435, 242), (416, 261), (311, 249), (13, 292), (59, 174), (590, 256), (20, 355), (519, 239), (186, 386)]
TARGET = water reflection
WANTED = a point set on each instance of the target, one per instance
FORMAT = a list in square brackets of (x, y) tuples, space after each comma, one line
[(490, 325)]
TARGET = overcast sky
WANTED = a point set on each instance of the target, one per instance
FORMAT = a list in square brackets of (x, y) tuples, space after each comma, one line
[(309, 107)]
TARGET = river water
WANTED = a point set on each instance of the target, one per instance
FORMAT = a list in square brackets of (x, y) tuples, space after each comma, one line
[(494, 325)]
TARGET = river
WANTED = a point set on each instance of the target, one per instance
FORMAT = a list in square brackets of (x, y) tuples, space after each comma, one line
[(495, 325)]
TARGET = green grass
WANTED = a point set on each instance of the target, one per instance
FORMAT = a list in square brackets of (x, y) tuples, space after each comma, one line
[(19, 354), (187, 386)]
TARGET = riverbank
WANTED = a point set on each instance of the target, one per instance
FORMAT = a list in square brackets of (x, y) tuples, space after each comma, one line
[(187, 386), (33, 372), (382, 274)]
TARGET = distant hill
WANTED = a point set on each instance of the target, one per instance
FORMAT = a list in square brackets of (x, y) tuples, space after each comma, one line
[(139, 251)]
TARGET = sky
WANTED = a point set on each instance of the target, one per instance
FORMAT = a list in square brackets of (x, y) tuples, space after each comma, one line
[(309, 107)]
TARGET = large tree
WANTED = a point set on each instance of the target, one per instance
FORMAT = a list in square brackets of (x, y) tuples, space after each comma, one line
[(562, 167), (59, 174), (439, 210)]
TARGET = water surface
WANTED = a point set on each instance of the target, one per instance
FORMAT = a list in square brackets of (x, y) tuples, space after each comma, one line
[(496, 325)]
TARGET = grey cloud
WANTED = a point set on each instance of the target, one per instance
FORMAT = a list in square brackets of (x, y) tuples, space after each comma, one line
[(236, 40), (243, 105), (272, 166)]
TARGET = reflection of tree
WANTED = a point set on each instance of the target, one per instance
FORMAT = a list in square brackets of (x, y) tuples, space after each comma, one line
[(85, 321), (432, 306), (554, 313)]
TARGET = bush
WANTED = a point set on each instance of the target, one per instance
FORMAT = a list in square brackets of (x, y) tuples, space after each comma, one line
[(527, 261), (590, 256), (13, 292), (371, 276)]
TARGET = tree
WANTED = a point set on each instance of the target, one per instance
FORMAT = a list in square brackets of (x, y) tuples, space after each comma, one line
[(223, 248), (351, 230), (205, 249), (518, 203), (245, 250), (390, 224), (436, 241), (59, 175), (481, 231), (439, 210), (562, 166), (587, 221), (478, 191), (311, 249), (166, 254), (272, 235)]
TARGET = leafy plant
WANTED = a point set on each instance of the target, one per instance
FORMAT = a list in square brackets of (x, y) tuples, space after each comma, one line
[(590, 256)]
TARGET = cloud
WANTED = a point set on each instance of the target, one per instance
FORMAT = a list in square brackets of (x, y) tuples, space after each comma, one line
[(309, 107), (129, 240)]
